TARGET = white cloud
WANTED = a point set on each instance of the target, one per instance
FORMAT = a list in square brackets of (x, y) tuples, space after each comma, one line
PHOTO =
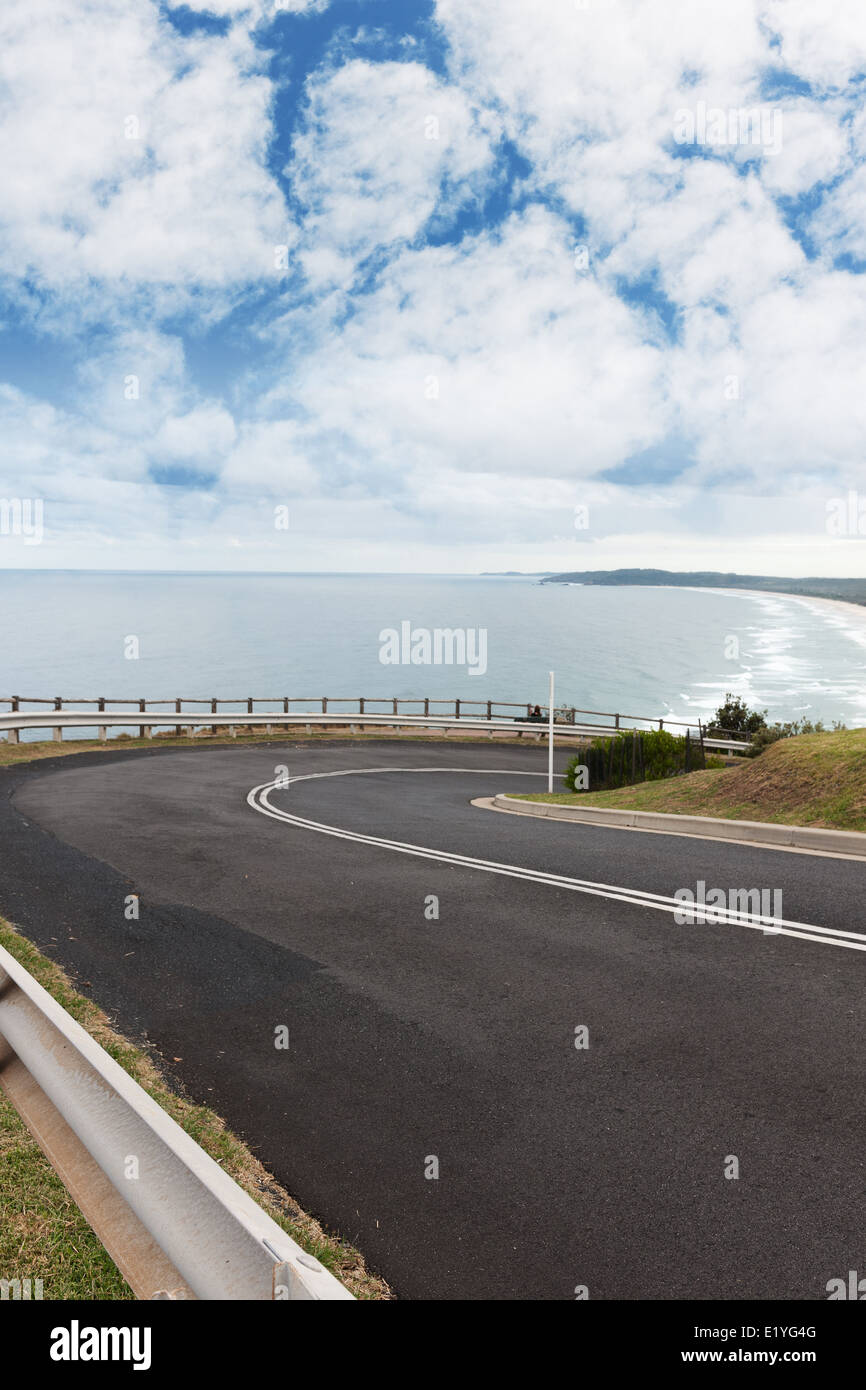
[(823, 44), (460, 398), (383, 146), (503, 357), (260, 9), (270, 456), (203, 435), (134, 158)]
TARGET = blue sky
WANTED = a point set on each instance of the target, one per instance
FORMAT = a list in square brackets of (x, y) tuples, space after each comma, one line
[(439, 278)]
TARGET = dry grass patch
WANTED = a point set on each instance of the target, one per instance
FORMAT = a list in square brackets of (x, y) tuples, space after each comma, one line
[(812, 780)]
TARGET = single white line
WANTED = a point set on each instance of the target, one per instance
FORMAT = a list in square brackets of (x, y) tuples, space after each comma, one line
[(258, 798)]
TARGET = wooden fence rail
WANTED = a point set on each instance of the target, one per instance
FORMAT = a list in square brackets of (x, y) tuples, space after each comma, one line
[(361, 704)]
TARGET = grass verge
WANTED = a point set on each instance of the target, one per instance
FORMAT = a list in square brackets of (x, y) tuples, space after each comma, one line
[(812, 780), (43, 1234)]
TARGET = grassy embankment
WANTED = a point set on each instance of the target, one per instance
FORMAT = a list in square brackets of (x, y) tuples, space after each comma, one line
[(815, 779), (42, 1233)]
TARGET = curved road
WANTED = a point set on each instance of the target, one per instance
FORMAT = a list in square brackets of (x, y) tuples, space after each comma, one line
[(413, 1037)]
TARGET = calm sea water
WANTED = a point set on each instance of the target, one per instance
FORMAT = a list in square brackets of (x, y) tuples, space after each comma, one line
[(652, 652)]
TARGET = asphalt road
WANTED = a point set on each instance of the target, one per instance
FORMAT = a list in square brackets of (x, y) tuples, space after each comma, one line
[(413, 1038)]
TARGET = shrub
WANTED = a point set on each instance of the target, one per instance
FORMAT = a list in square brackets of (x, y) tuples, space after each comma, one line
[(773, 732), (735, 717), (653, 753)]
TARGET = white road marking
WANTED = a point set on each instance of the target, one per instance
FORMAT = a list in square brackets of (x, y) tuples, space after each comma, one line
[(259, 796)]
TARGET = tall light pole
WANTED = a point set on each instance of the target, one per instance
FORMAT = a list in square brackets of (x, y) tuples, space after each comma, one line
[(550, 737)]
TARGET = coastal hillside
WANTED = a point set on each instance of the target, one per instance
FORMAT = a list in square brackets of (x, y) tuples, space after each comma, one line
[(846, 590), (813, 779)]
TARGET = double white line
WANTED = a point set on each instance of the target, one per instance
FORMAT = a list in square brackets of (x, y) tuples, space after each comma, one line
[(259, 799)]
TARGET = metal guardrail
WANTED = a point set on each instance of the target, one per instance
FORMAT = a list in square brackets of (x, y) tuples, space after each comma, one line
[(174, 1222), (490, 709), (14, 722)]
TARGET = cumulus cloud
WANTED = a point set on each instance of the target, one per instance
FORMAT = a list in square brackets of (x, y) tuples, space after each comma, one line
[(502, 358), (134, 160), (511, 287), (382, 147)]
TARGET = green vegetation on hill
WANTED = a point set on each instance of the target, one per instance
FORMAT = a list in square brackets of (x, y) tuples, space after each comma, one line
[(845, 590), (814, 779), (634, 755)]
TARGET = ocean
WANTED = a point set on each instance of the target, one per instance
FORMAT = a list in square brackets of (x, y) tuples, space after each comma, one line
[(652, 653)]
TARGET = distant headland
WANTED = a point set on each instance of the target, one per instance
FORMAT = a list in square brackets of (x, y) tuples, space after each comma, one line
[(844, 590)]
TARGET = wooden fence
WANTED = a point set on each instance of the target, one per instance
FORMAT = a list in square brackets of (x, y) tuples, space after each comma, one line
[(348, 705)]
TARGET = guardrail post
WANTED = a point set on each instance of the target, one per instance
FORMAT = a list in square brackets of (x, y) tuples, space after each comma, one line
[(426, 708), (177, 709), (456, 709), (103, 734), (489, 704), (285, 704), (661, 725), (361, 705), (395, 706), (324, 704), (616, 724), (16, 701), (249, 705)]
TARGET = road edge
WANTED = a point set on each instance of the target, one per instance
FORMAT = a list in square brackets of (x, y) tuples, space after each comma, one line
[(847, 844)]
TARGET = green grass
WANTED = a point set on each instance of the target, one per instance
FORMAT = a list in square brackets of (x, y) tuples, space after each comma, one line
[(815, 780), (42, 1233)]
